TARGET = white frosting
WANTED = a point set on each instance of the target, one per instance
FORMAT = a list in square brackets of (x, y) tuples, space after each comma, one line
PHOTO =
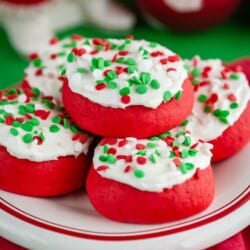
[(184, 6), (161, 174), (207, 126), (48, 81), (85, 83), (54, 144)]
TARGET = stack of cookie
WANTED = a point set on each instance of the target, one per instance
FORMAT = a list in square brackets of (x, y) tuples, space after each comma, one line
[(161, 121)]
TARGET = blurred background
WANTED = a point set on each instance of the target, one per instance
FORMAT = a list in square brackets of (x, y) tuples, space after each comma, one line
[(217, 29)]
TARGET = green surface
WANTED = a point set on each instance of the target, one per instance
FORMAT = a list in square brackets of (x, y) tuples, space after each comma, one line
[(228, 42)]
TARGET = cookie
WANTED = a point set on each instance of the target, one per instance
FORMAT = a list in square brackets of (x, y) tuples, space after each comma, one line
[(221, 112), (42, 152), (121, 88), (154, 180)]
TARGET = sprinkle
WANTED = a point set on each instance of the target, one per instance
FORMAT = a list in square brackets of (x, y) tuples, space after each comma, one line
[(167, 95), (142, 89), (164, 61), (27, 138), (56, 119), (202, 98), (140, 146), (102, 168), (196, 72), (234, 76), (226, 86), (153, 158), (183, 168), (139, 173), (127, 169), (100, 86), (111, 159), (122, 143), (125, 99), (178, 95), (192, 152), (54, 129), (71, 57), (43, 114), (111, 151), (27, 126), (124, 91), (14, 132), (177, 162), (234, 105), (154, 84), (232, 98), (174, 58), (141, 160)]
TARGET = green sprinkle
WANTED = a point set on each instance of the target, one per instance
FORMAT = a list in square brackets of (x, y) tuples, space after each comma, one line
[(130, 61), (36, 92), (167, 95), (131, 69), (217, 112), (74, 128), (111, 75), (187, 141), (207, 109), (63, 71), (82, 70), (21, 110), (35, 121), (145, 77), (66, 123), (14, 132), (111, 159), (103, 158), (234, 76), (37, 62), (42, 136), (16, 124), (151, 145), (48, 104), (234, 105), (56, 119), (154, 138), (142, 89), (196, 72), (124, 91), (183, 168), (224, 113), (100, 63), (27, 138), (153, 158), (1, 120), (105, 148), (120, 60), (178, 95), (107, 63), (192, 152), (30, 108), (71, 57), (154, 84), (61, 54), (112, 85), (171, 154), (223, 119), (157, 153), (184, 123), (164, 135), (189, 165), (152, 44), (27, 126), (54, 128), (98, 47), (141, 152), (134, 80), (202, 98), (184, 154), (195, 81), (139, 173)]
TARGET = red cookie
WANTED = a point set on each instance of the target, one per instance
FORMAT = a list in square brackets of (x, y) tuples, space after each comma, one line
[(42, 152), (221, 111), (151, 181), (126, 88)]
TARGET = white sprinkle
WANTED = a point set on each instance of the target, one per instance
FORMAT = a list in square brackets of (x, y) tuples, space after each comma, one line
[(22, 98), (78, 147)]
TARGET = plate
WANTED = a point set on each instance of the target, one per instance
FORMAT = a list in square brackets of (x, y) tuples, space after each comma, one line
[(70, 222)]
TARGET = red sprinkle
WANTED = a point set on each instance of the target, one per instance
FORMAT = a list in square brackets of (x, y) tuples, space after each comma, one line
[(102, 168), (156, 53), (114, 58), (140, 146), (119, 70), (103, 141), (164, 61), (169, 140), (127, 169), (112, 151), (79, 52), (204, 83), (123, 53), (111, 141), (174, 58), (39, 72), (53, 41), (141, 160), (9, 120), (105, 72), (1, 94), (125, 99), (33, 56), (94, 52), (226, 86), (177, 162), (83, 138), (232, 98), (122, 143), (171, 69), (53, 56), (38, 139), (107, 47), (176, 151), (194, 145), (98, 41), (100, 86), (12, 97), (76, 136), (213, 98), (43, 114), (126, 158), (76, 37), (130, 37)]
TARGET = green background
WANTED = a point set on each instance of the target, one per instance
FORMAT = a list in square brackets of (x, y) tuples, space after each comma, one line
[(228, 41)]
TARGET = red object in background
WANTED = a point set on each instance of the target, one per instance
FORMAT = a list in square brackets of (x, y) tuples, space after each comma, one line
[(212, 13), (23, 2)]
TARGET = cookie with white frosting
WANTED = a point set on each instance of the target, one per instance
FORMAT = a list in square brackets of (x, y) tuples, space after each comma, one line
[(152, 180), (221, 112), (46, 67), (126, 87), (42, 152)]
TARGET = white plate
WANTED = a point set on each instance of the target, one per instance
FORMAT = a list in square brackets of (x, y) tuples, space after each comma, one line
[(70, 222)]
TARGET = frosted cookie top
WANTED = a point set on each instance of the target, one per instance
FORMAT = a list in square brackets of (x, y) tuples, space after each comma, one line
[(221, 96), (46, 66), (120, 73), (152, 164), (34, 127)]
